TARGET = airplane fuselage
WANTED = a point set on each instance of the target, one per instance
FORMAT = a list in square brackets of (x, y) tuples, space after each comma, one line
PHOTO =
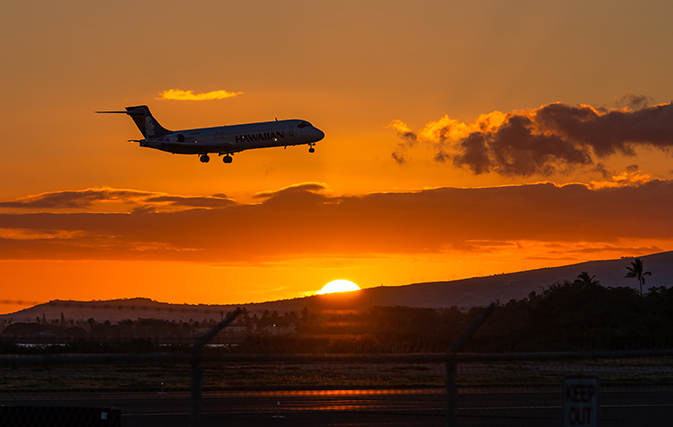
[(234, 138), (224, 140)]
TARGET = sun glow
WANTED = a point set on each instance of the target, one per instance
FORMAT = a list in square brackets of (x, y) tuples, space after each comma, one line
[(339, 286)]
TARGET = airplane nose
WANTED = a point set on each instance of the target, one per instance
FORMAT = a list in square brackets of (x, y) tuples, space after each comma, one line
[(319, 134)]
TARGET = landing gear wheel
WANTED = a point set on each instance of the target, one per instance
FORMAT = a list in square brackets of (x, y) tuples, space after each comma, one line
[(311, 150), (204, 158), (227, 159)]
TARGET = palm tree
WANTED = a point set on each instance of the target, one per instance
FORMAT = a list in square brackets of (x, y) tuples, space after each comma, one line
[(636, 270), (585, 280)]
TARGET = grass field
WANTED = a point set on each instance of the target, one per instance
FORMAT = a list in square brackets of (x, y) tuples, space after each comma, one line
[(221, 376)]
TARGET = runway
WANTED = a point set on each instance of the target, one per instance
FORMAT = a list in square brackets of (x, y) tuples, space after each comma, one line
[(652, 406)]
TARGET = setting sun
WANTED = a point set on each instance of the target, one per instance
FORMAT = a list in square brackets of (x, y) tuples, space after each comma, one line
[(393, 195), (339, 286)]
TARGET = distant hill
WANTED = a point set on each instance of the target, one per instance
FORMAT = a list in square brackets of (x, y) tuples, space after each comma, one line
[(467, 293)]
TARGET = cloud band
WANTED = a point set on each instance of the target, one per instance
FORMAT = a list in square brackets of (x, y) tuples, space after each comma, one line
[(305, 220)]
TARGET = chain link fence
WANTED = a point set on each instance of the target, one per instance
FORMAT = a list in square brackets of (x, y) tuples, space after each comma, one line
[(492, 389), (206, 384)]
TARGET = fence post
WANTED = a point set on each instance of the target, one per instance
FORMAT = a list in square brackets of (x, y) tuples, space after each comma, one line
[(197, 368), (451, 366), (451, 393), (196, 387)]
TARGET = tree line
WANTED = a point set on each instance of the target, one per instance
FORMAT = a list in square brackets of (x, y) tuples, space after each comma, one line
[(570, 315), (581, 315)]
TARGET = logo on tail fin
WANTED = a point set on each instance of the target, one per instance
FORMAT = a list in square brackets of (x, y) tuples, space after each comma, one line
[(149, 126)]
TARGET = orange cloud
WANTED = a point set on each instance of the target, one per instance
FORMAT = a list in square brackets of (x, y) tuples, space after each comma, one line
[(443, 131), (553, 138), (189, 95), (624, 179)]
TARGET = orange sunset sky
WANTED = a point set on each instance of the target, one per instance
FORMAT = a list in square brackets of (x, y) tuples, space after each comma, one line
[(462, 139)]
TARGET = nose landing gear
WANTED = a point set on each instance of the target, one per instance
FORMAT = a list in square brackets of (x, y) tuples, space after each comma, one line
[(310, 148), (204, 158)]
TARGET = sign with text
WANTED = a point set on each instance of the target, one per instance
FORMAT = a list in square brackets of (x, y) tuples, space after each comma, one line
[(580, 402)]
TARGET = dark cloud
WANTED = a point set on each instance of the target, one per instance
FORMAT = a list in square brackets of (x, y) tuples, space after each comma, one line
[(72, 199), (441, 156), (194, 202), (141, 200), (408, 140), (473, 151), (617, 131), (144, 209), (311, 187), (398, 157), (600, 168), (553, 138), (634, 102), (301, 220)]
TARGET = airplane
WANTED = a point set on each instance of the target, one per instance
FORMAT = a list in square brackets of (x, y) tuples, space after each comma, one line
[(223, 140)]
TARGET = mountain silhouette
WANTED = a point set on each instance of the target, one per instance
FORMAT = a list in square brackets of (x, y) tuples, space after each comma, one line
[(465, 294)]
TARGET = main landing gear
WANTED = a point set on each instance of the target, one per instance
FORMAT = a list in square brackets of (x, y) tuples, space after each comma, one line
[(204, 158), (310, 148)]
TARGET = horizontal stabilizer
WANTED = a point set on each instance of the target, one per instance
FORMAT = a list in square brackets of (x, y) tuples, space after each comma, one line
[(142, 117), (134, 113)]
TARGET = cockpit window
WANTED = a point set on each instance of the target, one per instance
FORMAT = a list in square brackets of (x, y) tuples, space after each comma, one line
[(304, 124)]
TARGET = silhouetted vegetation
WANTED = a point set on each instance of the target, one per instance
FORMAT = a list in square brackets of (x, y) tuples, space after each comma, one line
[(567, 316), (580, 315), (637, 271)]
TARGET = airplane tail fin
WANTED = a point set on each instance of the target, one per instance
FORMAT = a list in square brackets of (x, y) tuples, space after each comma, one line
[(142, 117), (147, 124)]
